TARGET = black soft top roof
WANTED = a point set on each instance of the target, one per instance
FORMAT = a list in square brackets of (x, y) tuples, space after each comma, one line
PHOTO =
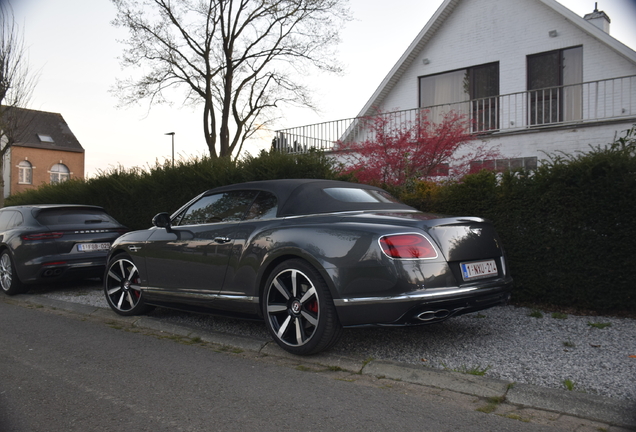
[(298, 197)]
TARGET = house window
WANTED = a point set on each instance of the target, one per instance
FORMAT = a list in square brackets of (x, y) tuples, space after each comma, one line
[(441, 170), (472, 91), (554, 93), (25, 172), (500, 165), (46, 138), (59, 173)]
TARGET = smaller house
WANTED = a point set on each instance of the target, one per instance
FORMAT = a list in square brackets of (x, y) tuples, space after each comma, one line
[(44, 151)]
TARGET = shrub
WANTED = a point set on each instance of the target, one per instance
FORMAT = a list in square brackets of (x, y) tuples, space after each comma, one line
[(133, 196), (567, 227)]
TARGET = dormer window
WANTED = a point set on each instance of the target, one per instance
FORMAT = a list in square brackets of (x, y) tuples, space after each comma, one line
[(46, 138)]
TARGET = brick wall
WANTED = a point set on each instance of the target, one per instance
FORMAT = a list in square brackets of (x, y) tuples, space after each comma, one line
[(41, 161)]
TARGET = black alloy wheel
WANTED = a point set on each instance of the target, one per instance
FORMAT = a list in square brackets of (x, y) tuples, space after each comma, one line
[(299, 310), (122, 286), (9, 281)]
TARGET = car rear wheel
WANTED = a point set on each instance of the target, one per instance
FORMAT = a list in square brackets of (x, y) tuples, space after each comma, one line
[(122, 286), (9, 281), (299, 310)]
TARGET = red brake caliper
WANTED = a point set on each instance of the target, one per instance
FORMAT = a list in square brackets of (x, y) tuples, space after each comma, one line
[(313, 307)]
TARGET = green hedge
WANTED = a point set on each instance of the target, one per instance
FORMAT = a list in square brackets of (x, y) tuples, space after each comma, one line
[(568, 228), (134, 196)]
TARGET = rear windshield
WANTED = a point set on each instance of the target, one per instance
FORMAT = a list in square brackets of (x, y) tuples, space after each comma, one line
[(70, 216), (360, 195)]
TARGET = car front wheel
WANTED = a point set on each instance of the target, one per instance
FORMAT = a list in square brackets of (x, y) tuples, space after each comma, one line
[(299, 310), (122, 286), (9, 280)]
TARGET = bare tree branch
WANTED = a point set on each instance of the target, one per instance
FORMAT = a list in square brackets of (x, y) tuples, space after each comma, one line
[(238, 59), (16, 86)]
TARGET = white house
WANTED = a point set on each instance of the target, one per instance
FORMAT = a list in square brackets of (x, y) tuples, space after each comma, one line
[(533, 76)]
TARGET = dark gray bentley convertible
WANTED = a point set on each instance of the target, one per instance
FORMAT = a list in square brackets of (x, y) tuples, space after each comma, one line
[(309, 257)]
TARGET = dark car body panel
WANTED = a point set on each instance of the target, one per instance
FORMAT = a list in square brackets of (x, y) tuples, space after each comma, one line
[(222, 267)]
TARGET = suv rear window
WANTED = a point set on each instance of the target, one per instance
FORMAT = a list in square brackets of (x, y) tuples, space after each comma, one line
[(71, 216)]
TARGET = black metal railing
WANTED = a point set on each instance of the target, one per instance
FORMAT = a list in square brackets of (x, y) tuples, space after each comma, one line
[(588, 102)]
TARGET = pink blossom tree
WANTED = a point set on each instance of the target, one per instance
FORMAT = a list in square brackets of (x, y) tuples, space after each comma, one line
[(401, 150)]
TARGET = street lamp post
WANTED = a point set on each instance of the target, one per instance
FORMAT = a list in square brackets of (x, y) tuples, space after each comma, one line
[(172, 134)]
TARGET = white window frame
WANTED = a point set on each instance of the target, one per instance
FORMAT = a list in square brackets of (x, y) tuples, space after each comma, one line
[(25, 172), (59, 173)]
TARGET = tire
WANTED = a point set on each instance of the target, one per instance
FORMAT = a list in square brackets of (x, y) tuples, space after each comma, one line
[(299, 310), (9, 281), (122, 287)]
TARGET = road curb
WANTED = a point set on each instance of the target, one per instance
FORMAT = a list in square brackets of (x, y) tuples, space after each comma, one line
[(615, 412), (455, 381)]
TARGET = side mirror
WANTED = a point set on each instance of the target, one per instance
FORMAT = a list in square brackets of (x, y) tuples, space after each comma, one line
[(162, 220)]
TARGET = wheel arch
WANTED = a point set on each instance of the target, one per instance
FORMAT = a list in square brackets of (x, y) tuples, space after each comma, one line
[(113, 254), (271, 264), (5, 247)]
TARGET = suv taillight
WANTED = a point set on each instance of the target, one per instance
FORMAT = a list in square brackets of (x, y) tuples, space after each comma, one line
[(42, 236), (407, 246)]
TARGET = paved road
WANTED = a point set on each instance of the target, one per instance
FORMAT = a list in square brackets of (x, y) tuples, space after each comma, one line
[(62, 372)]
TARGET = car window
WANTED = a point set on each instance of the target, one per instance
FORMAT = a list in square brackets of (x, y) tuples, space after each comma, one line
[(17, 220), (73, 216), (5, 219), (265, 206), (223, 207), (360, 195)]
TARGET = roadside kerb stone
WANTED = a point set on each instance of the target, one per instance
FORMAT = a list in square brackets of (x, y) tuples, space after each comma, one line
[(462, 383), (618, 412), (235, 341), (162, 326), (59, 304), (333, 361), (109, 315)]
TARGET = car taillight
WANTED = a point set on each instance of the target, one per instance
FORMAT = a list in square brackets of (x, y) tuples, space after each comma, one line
[(407, 246), (42, 236)]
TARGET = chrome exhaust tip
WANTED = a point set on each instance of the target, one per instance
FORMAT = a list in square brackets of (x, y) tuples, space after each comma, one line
[(433, 315)]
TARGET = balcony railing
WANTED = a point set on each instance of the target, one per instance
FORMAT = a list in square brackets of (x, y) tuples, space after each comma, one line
[(588, 102)]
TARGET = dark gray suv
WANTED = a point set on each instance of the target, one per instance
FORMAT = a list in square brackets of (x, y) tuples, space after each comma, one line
[(53, 242)]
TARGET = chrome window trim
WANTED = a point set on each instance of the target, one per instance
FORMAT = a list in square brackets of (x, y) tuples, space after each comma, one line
[(349, 212)]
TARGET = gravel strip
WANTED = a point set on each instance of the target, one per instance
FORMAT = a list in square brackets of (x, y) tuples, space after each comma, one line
[(596, 355)]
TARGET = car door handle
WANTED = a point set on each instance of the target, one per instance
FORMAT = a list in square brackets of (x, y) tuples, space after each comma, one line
[(222, 239)]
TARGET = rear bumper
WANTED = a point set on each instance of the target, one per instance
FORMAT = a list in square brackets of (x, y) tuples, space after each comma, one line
[(56, 268), (424, 306)]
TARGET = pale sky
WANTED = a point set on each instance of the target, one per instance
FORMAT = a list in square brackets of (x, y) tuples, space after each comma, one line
[(75, 49)]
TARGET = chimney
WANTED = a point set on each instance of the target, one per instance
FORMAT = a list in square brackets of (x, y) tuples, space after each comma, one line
[(599, 19)]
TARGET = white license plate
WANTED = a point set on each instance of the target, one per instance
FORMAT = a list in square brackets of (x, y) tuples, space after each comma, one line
[(92, 247), (478, 269)]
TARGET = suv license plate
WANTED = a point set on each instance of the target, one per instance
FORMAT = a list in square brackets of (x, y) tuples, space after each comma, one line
[(478, 269), (92, 247)]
